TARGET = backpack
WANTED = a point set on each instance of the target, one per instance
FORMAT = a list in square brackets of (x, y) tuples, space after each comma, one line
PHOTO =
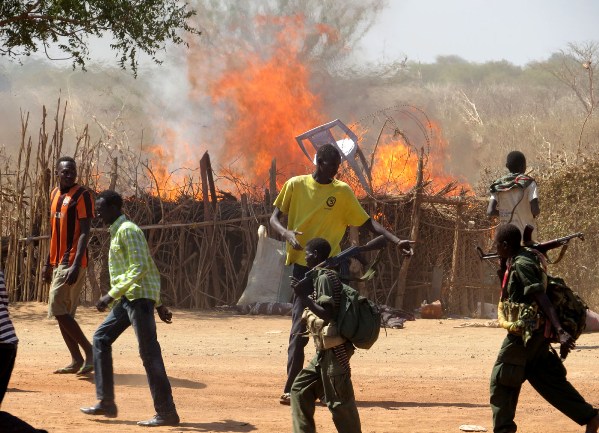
[(359, 318), (570, 308)]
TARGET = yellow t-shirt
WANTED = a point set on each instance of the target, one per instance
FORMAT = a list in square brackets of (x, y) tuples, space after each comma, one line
[(319, 211)]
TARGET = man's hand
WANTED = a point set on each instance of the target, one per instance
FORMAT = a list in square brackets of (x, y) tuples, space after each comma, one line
[(72, 275), (302, 288), (165, 314), (47, 273), (566, 343), (103, 302), (290, 236), (406, 246)]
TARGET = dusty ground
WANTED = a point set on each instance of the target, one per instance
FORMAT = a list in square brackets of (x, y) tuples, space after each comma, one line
[(227, 373)]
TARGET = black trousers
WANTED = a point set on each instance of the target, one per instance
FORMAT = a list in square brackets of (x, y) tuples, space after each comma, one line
[(8, 353), (297, 337)]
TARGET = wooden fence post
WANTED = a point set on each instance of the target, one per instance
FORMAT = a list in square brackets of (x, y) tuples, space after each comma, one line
[(273, 179), (415, 222), (209, 214), (457, 296)]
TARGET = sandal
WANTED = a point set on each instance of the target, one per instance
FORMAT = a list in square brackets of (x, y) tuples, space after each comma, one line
[(85, 369), (285, 399), (70, 369)]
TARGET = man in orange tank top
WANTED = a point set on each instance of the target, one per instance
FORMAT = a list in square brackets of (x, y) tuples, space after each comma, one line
[(71, 211)]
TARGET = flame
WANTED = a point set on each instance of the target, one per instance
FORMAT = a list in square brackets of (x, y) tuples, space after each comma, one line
[(169, 185), (262, 100), (394, 158), (394, 169), (269, 103)]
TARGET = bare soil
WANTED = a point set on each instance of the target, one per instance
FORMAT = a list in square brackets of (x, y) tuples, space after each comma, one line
[(228, 371)]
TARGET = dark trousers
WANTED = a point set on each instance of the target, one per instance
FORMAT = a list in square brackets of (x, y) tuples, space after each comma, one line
[(140, 315), (544, 371), (297, 336), (8, 353), (324, 375)]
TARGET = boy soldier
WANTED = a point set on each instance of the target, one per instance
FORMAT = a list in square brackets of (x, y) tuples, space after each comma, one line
[(71, 210), (328, 373), (514, 197), (317, 205), (526, 353)]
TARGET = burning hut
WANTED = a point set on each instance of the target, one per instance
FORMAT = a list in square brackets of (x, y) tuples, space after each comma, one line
[(204, 239)]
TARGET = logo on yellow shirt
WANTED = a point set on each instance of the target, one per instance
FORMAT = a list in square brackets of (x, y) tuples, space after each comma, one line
[(331, 201)]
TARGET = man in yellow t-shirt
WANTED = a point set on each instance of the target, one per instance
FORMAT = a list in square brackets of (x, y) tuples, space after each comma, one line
[(317, 206)]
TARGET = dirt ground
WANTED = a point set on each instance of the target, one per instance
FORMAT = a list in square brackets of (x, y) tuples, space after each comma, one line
[(227, 372)]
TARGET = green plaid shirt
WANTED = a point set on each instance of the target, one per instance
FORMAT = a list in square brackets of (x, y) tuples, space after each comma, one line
[(133, 273)]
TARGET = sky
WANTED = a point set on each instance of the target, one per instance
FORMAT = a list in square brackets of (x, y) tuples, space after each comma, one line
[(519, 31)]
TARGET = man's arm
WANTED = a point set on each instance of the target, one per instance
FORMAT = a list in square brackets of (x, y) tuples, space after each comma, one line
[(135, 253), (47, 271), (375, 227), (73, 272), (133, 250), (492, 208), (566, 341), (288, 235), (534, 207), (303, 289), (165, 314)]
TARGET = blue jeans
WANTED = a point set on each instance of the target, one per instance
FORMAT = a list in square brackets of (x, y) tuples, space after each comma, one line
[(139, 314)]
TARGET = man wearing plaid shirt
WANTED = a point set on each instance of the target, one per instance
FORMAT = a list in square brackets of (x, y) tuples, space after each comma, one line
[(135, 290)]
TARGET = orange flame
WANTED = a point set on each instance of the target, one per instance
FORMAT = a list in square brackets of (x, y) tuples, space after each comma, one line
[(263, 100), (271, 104), (170, 185), (395, 159)]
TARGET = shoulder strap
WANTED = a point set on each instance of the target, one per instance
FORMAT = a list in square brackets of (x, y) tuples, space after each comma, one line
[(371, 271), (515, 206)]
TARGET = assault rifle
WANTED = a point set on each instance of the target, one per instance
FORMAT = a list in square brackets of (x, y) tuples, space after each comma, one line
[(376, 244), (542, 247)]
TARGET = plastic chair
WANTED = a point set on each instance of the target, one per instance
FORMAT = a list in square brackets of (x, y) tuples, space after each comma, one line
[(348, 147)]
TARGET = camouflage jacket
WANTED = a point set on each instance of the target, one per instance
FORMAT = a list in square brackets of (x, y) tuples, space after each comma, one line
[(525, 277)]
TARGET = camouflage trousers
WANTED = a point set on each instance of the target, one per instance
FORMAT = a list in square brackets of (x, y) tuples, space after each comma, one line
[(324, 375)]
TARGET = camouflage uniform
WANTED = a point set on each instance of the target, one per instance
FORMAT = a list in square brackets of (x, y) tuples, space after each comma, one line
[(327, 374), (527, 355)]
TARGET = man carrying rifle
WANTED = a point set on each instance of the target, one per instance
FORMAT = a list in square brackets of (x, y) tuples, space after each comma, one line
[(317, 206), (526, 353)]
